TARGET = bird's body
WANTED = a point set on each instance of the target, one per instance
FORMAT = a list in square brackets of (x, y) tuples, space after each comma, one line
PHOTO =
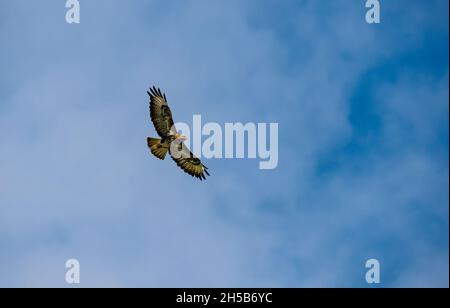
[(171, 142)]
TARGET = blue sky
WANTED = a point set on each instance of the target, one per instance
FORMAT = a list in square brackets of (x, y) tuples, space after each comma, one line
[(363, 143)]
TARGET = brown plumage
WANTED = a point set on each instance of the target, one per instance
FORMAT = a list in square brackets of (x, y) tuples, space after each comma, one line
[(171, 141)]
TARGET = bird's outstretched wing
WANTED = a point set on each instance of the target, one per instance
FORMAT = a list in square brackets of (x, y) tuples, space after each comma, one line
[(160, 113), (188, 161)]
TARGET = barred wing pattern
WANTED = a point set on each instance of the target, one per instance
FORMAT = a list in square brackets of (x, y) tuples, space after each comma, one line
[(160, 113), (188, 161)]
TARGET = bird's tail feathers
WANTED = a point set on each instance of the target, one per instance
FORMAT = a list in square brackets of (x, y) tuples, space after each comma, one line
[(157, 148)]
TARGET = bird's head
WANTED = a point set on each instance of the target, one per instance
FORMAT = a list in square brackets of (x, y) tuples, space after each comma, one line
[(180, 137)]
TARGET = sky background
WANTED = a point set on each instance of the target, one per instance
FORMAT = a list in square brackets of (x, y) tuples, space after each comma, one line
[(363, 166)]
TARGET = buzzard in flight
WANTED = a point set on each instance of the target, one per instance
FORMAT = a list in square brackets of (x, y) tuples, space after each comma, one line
[(171, 141)]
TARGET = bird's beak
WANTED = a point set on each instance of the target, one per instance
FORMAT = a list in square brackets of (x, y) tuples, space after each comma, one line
[(181, 137)]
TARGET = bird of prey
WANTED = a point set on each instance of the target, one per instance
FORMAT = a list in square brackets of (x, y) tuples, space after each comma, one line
[(170, 140)]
